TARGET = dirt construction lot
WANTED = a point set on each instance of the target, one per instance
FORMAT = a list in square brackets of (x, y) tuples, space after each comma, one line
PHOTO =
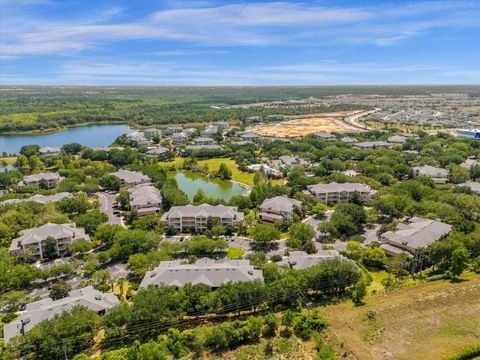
[(428, 321), (304, 125)]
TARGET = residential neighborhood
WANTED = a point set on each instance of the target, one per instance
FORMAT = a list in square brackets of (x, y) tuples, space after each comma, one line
[(221, 219), (239, 180)]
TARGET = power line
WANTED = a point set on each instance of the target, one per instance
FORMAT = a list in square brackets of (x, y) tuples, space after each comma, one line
[(157, 325)]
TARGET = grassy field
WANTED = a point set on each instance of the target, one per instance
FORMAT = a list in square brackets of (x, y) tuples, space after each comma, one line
[(237, 175), (427, 321), (376, 285), (213, 165), (8, 160)]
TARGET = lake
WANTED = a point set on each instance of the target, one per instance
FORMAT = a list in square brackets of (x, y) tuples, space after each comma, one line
[(91, 136), (190, 183)]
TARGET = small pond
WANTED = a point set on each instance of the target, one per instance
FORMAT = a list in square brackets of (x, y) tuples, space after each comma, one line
[(190, 183)]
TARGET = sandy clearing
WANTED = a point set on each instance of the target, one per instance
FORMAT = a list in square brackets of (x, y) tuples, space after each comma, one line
[(305, 124)]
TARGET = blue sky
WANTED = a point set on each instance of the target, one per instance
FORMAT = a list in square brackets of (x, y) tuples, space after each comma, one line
[(162, 42)]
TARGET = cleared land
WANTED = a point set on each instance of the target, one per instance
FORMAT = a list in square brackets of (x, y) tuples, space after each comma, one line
[(427, 321), (305, 125), (424, 321)]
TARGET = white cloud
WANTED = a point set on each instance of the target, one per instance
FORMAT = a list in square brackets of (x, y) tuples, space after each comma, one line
[(253, 24), (169, 53), (102, 72), (354, 68)]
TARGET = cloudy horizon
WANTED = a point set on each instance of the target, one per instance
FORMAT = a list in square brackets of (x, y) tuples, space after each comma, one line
[(219, 43)]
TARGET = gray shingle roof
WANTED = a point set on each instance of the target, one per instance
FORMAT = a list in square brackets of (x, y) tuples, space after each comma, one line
[(467, 164), (418, 233), (472, 185), (249, 135), (397, 139), (128, 176), (46, 309), (280, 203), (157, 151), (57, 231), (301, 260), (180, 136), (40, 199), (348, 140), (49, 150), (427, 170), (212, 273), (372, 144), (142, 195), (324, 135), (41, 176), (204, 139), (292, 160)]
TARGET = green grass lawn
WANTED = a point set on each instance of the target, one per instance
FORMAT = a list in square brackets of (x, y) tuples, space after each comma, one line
[(237, 175), (213, 165), (376, 284), (235, 253), (8, 160)]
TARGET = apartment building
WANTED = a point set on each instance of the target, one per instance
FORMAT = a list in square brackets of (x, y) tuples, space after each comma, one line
[(179, 138), (469, 163), (418, 233), (41, 180), (46, 309), (325, 136), (250, 136), (333, 192), (40, 199), (372, 144), (50, 150), (204, 141), (287, 162), (278, 208), (159, 152), (130, 178), (438, 175), (348, 140), (474, 186), (299, 260), (137, 137), (34, 241), (210, 130), (209, 272), (145, 199), (397, 139), (222, 125), (195, 218)]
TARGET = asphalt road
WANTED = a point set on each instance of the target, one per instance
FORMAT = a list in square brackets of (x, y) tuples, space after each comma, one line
[(106, 202)]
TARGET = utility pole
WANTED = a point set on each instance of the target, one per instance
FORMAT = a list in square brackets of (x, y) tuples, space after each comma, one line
[(22, 329)]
